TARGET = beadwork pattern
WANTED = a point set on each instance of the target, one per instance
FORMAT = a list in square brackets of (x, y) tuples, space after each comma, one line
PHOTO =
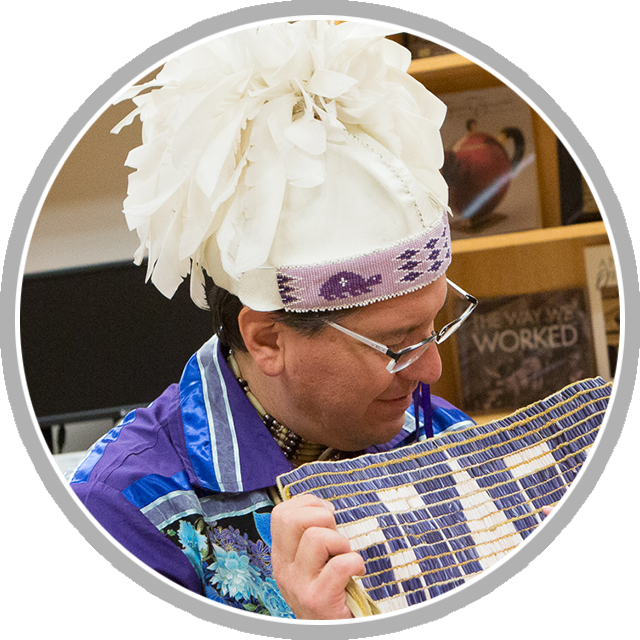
[(369, 278), (428, 517)]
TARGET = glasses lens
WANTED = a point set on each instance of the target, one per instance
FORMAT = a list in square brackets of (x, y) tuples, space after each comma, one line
[(457, 309), (449, 329), (443, 317), (409, 358)]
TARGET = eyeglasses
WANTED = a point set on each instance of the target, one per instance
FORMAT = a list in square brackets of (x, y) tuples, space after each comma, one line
[(403, 358)]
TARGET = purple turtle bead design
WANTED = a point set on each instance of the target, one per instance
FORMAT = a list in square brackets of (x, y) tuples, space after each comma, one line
[(347, 284)]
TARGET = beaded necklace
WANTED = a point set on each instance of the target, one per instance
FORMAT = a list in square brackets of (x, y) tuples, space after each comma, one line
[(295, 448)]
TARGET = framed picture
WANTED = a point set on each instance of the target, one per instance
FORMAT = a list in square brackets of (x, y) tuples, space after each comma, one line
[(593, 102), (514, 350), (604, 306), (490, 163)]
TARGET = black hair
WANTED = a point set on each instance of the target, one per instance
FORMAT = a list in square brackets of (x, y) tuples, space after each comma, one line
[(225, 309)]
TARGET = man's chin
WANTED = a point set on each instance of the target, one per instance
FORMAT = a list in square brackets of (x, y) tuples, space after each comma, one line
[(384, 432)]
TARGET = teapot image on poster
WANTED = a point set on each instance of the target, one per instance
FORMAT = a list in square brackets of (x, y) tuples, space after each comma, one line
[(478, 171), (489, 163)]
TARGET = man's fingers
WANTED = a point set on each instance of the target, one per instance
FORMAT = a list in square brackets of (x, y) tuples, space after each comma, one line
[(323, 543), (291, 519), (312, 562), (317, 546), (340, 569), (327, 597)]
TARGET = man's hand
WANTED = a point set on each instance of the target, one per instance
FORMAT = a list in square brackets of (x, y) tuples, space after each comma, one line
[(601, 545), (312, 562)]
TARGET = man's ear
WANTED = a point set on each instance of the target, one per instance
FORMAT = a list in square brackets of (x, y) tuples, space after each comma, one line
[(263, 338)]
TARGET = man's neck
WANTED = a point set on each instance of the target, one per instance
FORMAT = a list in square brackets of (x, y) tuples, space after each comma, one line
[(294, 446)]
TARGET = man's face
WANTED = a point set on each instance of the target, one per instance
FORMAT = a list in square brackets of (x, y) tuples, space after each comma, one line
[(336, 390)]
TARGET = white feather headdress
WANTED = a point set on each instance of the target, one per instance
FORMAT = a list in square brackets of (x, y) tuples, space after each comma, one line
[(238, 130)]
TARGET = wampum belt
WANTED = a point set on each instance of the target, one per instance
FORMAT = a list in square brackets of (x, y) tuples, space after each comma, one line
[(430, 516)]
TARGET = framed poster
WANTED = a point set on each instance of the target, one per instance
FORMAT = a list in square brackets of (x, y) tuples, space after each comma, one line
[(514, 350), (604, 306), (490, 163)]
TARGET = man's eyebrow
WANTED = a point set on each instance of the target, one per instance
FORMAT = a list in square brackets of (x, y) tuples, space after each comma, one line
[(389, 335), (397, 332)]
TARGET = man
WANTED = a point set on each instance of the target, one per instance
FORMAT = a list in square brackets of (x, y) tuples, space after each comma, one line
[(336, 391), (297, 166)]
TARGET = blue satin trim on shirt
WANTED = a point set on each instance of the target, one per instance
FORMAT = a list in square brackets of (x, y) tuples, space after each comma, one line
[(194, 416), (450, 418), (83, 472), (444, 416), (148, 489)]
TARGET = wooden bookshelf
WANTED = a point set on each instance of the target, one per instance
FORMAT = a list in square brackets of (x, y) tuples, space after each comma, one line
[(538, 260), (452, 73)]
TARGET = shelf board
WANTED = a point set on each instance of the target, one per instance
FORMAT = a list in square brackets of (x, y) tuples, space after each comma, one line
[(531, 237)]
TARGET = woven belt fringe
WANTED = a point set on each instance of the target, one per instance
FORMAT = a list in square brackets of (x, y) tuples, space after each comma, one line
[(428, 517)]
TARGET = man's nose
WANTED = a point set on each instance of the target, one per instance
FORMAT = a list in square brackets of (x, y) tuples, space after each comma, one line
[(427, 368)]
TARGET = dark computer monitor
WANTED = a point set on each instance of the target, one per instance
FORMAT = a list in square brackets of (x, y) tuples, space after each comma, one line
[(97, 341)]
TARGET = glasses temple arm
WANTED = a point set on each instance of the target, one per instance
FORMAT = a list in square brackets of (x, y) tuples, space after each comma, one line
[(372, 343)]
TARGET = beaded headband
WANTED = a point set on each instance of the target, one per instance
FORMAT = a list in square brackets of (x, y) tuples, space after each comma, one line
[(297, 164)]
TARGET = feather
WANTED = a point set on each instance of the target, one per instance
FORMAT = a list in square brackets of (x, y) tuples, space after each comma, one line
[(330, 84), (229, 125)]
